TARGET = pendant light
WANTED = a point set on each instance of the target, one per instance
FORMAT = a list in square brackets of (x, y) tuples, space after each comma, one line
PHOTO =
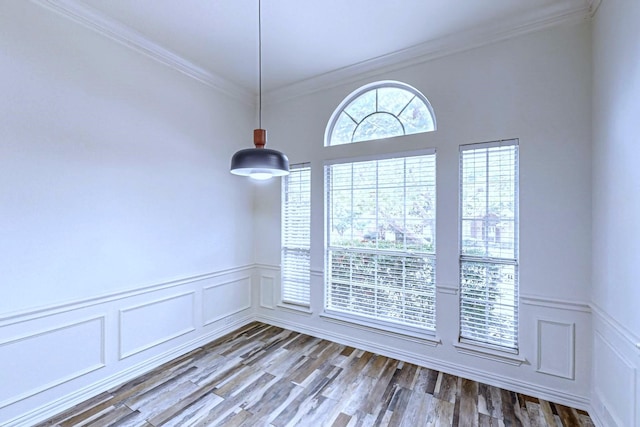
[(259, 162)]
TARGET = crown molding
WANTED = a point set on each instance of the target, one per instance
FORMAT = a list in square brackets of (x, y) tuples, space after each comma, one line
[(564, 12), (114, 30)]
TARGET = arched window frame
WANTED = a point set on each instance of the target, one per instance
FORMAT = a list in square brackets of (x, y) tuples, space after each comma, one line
[(374, 87)]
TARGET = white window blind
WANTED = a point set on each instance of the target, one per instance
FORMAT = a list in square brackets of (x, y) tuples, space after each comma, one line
[(380, 259), (296, 235), (489, 243)]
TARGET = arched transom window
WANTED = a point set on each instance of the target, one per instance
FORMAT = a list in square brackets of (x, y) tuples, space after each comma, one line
[(380, 110)]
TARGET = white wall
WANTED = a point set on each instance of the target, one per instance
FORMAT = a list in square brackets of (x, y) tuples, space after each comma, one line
[(124, 240), (537, 88), (616, 209), (119, 223)]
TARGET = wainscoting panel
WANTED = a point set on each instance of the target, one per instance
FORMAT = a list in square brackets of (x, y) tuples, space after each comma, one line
[(616, 371), (224, 299), (267, 292), (561, 375), (156, 322), (55, 357), (41, 360), (556, 348)]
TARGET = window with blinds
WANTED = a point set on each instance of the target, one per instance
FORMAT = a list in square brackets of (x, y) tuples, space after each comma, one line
[(489, 244), (380, 256), (296, 235)]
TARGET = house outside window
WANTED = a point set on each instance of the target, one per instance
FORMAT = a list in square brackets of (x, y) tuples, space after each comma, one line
[(380, 213), (296, 236), (489, 244)]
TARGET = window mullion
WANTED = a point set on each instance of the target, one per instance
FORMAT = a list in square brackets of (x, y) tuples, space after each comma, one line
[(489, 260), (296, 229), (390, 280)]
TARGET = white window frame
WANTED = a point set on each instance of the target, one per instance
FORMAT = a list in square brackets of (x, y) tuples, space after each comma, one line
[(357, 319), (488, 343), (295, 281), (372, 87)]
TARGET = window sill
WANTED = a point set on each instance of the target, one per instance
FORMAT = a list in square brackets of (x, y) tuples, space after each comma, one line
[(393, 331), (299, 309), (489, 354)]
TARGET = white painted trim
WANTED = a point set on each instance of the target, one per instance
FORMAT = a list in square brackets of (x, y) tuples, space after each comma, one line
[(132, 39), (264, 292), (601, 397), (407, 333), (571, 345), (449, 290), (298, 309), (371, 69), (619, 328), (35, 313), (347, 158), (553, 15), (555, 303), (155, 343), (43, 313), (272, 267), (243, 308), (306, 309), (53, 408), (67, 378), (490, 378), (488, 354)]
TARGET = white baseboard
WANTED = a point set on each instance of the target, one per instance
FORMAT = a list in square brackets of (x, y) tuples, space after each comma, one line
[(493, 379), (51, 409), (615, 394), (42, 413), (103, 341), (234, 317)]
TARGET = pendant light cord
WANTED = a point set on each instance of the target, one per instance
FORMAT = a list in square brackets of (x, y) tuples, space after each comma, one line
[(259, 64)]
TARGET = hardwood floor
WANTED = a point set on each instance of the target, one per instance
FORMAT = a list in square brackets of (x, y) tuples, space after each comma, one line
[(263, 375)]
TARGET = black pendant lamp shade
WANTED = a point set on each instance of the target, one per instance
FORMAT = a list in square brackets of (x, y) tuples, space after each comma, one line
[(259, 162)]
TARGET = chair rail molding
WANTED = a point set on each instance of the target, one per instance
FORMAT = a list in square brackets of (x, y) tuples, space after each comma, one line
[(100, 342)]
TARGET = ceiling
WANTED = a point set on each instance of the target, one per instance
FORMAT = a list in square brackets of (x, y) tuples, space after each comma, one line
[(308, 42)]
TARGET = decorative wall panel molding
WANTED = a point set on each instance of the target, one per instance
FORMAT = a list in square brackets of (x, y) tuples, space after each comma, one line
[(64, 354), (201, 300), (556, 348), (44, 359), (270, 267), (153, 323), (224, 299), (616, 373), (80, 395), (267, 292), (29, 314), (609, 322), (465, 371), (615, 384), (559, 304)]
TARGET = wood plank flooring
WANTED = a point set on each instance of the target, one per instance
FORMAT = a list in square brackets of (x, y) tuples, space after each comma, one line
[(263, 375)]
